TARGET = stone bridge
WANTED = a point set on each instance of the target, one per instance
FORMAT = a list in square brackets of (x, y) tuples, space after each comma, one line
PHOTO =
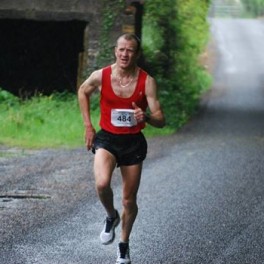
[(51, 46)]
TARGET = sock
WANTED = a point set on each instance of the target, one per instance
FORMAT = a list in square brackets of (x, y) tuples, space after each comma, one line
[(113, 217), (124, 242)]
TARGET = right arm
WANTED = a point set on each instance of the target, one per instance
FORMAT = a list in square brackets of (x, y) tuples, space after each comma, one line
[(84, 94), (156, 118)]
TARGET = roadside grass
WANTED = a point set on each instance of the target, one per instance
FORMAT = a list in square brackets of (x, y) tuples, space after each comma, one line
[(49, 121), (40, 122)]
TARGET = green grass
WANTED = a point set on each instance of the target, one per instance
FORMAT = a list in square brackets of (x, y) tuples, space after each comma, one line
[(49, 121), (43, 121)]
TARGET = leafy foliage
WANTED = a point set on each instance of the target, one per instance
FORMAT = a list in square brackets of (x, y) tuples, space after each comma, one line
[(175, 33)]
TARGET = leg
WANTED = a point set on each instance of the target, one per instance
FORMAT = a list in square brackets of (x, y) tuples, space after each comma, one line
[(131, 179), (104, 164)]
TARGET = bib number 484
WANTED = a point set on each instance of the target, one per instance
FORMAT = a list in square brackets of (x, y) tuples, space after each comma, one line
[(123, 118)]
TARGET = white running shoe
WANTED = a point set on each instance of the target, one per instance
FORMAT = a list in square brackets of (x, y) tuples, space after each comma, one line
[(107, 236), (123, 254)]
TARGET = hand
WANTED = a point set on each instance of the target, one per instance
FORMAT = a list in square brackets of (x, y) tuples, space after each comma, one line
[(138, 114), (89, 137)]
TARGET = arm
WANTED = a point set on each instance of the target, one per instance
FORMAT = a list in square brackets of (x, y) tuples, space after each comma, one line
[(156, 117), (84, 94)]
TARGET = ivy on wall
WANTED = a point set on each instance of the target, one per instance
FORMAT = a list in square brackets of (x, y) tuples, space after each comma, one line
[(111, 11)]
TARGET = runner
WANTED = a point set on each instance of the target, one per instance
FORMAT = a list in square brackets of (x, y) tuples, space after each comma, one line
[(127, 92)]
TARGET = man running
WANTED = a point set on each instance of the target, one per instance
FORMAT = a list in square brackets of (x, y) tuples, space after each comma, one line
[(126, 92)]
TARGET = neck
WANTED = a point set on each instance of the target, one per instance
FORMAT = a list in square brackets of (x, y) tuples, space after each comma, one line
[(124, 77), (125, 73)]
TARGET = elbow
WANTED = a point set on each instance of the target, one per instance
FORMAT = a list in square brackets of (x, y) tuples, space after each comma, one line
[(158, 122), (80, 89), (162, 124), (81, 93), (158, 119)]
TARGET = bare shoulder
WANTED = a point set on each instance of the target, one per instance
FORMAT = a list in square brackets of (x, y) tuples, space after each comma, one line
[(95, 78), (151, 85), (92, 83)]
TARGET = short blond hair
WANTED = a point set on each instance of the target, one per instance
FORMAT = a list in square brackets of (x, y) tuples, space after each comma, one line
[(131, 36)]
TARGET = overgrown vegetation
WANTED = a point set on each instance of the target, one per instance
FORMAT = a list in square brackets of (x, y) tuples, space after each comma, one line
[(175, 34), (254, 7), (110, 12), (42, 121), (46, 121)]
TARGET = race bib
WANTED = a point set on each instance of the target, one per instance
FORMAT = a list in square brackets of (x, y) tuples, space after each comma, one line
[(123, 118)]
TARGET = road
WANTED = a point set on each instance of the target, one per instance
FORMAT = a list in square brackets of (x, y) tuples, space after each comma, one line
[(201, 198)]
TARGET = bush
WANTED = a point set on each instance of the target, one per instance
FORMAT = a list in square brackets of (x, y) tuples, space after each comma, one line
[(7, 99), (175, 33)]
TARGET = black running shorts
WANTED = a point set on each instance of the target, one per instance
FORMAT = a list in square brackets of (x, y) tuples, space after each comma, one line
[(129, 149)]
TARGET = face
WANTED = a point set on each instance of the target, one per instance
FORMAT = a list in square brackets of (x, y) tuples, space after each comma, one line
[(126, 53)]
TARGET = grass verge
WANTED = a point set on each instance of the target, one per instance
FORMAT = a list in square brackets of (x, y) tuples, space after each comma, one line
[(49, 121)]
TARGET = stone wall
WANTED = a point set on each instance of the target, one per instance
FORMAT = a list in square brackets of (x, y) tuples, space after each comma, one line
[(89, 12), (50, 10)]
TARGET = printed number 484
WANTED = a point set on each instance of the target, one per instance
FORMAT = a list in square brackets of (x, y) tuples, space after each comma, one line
[(124, 118)]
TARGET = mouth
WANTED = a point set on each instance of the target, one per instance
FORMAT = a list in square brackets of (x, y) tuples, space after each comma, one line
[(124, 61)]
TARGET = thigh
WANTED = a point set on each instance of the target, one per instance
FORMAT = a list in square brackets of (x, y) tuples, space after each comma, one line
[(104, 164), (131, 176)]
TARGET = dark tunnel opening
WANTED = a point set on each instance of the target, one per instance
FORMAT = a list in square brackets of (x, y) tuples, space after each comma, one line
[(39, 56)]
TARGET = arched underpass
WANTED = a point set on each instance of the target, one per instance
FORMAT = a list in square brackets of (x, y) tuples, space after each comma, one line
[(39, 56)]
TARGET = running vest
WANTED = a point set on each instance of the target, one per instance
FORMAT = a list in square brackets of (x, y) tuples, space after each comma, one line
[(116, 112)]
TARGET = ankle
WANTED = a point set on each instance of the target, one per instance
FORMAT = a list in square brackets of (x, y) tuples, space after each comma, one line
[(124, 241), (112, 215)]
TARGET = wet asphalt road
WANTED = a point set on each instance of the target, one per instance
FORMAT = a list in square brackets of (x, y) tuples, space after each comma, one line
[(201, 198)]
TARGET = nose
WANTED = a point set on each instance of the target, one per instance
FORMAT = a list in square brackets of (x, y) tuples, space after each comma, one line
[(125, 53)]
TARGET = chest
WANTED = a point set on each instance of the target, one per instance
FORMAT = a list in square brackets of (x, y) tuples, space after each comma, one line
[(125, 89)]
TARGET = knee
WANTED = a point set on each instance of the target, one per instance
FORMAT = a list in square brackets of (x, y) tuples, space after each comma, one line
[(102, 186), (130, 203)]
